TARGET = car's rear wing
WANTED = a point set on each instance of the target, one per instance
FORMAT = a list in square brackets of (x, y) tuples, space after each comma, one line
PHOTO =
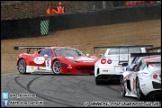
[(29, 47), (154, 49), (144, 54), (121, 46), (157, 62)]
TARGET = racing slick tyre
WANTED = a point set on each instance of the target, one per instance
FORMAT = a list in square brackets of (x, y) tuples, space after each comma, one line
[(97, 81), (22, 66), (56, 67), (123, 92), (140, 95)]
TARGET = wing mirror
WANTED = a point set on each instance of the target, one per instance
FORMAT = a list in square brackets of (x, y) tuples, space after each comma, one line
[(87, 55), (132, 67)]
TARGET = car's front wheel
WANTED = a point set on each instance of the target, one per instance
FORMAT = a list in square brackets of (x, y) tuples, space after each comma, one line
[(140, 95), (22, 66), (123, 92), (56, 67)]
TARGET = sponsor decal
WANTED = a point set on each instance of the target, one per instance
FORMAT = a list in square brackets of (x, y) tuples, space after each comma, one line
[(69, 67), (32, 67), (39, 60), (143, 73), (105, 70), (143, 85)]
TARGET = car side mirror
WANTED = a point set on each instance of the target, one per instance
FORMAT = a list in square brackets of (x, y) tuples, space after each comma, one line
[(131, 68), (87, 55)]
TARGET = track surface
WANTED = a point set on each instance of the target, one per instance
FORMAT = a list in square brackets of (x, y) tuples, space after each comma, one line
[(62, 90)]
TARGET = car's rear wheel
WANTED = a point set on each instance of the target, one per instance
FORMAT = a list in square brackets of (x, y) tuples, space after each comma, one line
[(123, 92), (98, 81), (22, 66), (140, 95), (56, 67)]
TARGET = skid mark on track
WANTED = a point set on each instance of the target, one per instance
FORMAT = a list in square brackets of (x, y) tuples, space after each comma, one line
[(8, 85), (45, 97), (28, 87), (84, 88)]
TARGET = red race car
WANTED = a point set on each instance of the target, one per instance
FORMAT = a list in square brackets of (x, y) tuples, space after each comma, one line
[(59, 60)]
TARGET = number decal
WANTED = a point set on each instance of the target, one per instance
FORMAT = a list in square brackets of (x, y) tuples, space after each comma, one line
[(48, 64)]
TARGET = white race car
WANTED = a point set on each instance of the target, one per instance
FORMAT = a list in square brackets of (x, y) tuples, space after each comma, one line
[(112, 64), (143, 79)]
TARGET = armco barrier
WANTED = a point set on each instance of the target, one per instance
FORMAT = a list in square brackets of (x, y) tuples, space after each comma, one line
[(31, 27), (104, 17), (20, 28)]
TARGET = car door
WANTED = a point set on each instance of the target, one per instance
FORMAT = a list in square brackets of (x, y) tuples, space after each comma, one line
[(47, 55), (48, 59), (134, 74)]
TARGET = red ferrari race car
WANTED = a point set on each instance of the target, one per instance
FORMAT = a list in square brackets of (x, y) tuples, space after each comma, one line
[(59, 60)]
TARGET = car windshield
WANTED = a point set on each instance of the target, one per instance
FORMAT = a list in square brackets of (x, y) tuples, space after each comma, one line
[(68, 52), (124, 50)]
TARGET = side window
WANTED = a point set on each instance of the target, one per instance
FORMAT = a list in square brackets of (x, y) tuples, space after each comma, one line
[(138, 66), (135, 50), (47, 52), (118, 51), (113, 51), (142, 66), (123, 51), (42, 52)]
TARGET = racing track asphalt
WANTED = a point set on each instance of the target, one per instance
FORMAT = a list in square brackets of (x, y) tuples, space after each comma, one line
[(61, 90)]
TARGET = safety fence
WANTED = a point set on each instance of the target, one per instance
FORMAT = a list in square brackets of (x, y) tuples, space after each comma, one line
[(43, 25)]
